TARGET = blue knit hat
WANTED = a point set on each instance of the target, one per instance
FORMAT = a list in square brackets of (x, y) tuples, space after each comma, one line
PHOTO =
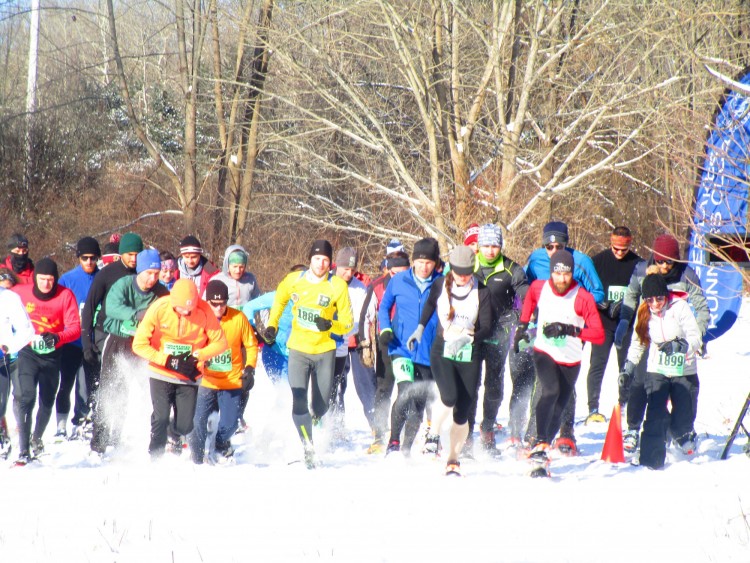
[(147, 260), (555, 231)]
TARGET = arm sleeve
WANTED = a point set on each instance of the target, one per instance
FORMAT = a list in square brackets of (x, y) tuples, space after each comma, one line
[(283, 293), (531, 300), (365, 315), (636, 350), (384, 311), (344, 321), (519, 281), (94, 297), (483, 328), (72, 322), (142, 339), (589, 279), (585, 306), (697, 300), (430, 305), (117, 304), (632, 296), (250, 343)]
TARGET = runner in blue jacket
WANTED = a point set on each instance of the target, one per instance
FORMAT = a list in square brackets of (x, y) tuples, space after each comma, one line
[(409, 291)]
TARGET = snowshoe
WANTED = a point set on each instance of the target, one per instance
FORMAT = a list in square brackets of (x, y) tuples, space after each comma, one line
[(60, 436), (241, 426), (566, 446), (393, 446), (175, 445), (595, 417), (24, 458), (37, 447), (630, 441), (223, 457), (431, 443), (489, 445), (539, 461), (377, 446), (453, 469)]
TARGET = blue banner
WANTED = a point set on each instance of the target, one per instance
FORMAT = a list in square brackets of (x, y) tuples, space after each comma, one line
[(720, 207)]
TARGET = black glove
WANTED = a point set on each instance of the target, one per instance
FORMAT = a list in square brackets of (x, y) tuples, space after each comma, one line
[(385, 339), (50, 339), (554, 330), (185, 364), (269, 335), (603, 305), (676, 346), (91, 357), (248, 378), (626, 375), (620, 332), (323, 324), (521, 334), (140, 314)]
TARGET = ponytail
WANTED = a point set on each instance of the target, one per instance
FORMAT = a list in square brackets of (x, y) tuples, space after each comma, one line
[(448, 286), (641, 324)]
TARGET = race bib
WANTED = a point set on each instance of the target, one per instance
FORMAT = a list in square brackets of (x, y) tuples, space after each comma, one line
[(38, 345), (175, 349), (128, 328), (306, 317), (463, 355), (403, 370), (671, 366), (222, 362), (616, 292)]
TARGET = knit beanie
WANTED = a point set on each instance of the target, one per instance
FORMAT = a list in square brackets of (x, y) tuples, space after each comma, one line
[(184, 294), (397, 259), (87, 246), (471, 234), (217, 290), (461, 260), (555, 231), (426, 249), (45, 267), (190, 245), (490, 235), (321, 247), (654, 285), (147, 260), (237, 257), (17, 240), (666, 247), (346, 257), (130, 242), (561, 261), (394, 245)]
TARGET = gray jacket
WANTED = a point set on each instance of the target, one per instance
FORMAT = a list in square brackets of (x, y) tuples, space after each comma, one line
[(240, 291)]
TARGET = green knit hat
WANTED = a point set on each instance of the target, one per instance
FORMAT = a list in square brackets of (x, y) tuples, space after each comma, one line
[(237, 257), (130, 242)]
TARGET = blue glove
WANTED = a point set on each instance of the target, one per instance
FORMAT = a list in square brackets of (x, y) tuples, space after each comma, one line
[(620, 332)]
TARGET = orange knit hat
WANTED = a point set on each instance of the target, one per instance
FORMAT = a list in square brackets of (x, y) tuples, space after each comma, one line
[(184, 294)]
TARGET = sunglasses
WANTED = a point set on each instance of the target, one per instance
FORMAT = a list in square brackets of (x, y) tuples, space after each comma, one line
[(657, 299), (88, 258), (554, 246), (620, 250), (667, 262), (217, 304)]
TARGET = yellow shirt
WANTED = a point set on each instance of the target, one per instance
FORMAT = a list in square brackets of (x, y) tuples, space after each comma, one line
[(312, 298)]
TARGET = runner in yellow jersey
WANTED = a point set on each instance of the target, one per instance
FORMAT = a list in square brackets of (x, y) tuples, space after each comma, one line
[(320, 306)]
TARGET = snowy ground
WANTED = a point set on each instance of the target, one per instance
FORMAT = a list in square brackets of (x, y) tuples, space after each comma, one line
[(366, 509)]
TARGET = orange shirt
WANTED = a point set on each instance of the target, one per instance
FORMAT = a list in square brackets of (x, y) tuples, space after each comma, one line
[(163, 332), (225, 370)]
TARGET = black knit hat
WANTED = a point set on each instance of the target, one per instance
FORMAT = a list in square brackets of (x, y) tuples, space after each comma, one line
[(88, 245), (426, 249), (191, 245), (321, 247), (217, 290), (17, 240), (555, 231), (654, 285), (561, 261)]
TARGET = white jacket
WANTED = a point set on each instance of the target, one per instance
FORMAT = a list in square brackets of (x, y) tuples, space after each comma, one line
[(675, 321), (16, 330)]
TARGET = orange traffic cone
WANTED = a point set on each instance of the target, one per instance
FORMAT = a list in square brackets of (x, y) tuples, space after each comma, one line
[(613, 451)]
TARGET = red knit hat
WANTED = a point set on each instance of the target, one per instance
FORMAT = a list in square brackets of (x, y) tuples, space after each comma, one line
[(666, 247), (472, 234)]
